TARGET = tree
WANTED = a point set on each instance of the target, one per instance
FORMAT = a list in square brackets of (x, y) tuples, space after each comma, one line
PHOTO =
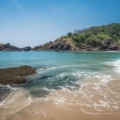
[(69, 34)]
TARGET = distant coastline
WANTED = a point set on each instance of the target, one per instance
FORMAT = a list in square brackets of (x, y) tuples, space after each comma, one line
[(98, 38)]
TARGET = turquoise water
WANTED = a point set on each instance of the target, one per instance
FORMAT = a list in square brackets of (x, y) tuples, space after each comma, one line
[(36, 59), (58, 71), (61, 68)]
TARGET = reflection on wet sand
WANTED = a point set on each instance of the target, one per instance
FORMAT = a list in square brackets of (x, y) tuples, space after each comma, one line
[(97, 99)]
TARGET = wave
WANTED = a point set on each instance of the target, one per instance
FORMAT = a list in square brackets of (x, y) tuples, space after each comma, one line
[(115, 65), (47, 68), (93, 92)]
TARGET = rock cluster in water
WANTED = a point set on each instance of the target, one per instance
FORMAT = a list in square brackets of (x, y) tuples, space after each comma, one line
[(15, 75)]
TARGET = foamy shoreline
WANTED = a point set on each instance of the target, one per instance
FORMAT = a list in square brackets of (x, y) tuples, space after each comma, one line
[(95, 99)]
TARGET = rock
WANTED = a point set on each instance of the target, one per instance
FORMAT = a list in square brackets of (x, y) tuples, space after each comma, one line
[(109, 44), (26, 49), (15, 75), (96, 48), (8, 47), (4, 92), (58, 45), (65, 44), (39, 93)]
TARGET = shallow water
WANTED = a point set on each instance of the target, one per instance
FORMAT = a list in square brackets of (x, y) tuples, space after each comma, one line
[(67, 84)]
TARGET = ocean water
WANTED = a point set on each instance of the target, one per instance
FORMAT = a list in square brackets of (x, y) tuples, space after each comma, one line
[(88, 80)]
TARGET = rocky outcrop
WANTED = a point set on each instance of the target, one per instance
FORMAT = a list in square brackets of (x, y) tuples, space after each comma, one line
[(57, 45), (63, 44), (26, 49), (15, 75), (109, 44), (85, 47), (8, 47), (67, 45)]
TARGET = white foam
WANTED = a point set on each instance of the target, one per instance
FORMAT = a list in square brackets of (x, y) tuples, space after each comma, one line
[(83, 96), (115, 64)]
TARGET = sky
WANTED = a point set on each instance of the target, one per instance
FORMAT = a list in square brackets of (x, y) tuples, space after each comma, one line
[(35, 22)]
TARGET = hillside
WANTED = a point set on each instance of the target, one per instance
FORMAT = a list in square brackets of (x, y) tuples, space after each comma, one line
[(105, 37)]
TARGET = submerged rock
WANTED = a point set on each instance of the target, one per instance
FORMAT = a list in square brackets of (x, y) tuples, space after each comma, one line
[(39, 93), (15, 75), (4, 92)]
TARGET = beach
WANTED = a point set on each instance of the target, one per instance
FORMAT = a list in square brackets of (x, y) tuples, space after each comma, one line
[(74, 89)]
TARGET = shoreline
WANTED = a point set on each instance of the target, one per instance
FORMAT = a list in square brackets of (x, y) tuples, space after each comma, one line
[(66, 105), (65, 91), (57, 51)]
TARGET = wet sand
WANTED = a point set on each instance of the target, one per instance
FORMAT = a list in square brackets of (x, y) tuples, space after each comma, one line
[(94, 100), (51, 112)]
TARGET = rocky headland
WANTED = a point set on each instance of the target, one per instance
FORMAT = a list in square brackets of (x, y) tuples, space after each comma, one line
[(57, 45), (97, 38), (7, 48), (67, 45)]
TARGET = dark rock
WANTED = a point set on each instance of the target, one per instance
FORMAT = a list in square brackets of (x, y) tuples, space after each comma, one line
[(26, 49), (15, 75), (109, 45), (85, 47), (8, 47), (39, 93), (4, 92), (57, 45)]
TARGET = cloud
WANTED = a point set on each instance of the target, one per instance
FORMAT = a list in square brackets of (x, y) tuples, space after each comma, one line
[(17, 4)]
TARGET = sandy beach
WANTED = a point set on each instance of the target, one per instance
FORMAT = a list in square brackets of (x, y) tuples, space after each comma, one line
[(95, 99)]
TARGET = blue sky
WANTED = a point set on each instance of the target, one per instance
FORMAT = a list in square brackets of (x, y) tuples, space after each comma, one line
[(35, 22)]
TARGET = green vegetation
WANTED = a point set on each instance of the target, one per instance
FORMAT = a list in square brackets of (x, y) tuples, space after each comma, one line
[(95, 36)]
